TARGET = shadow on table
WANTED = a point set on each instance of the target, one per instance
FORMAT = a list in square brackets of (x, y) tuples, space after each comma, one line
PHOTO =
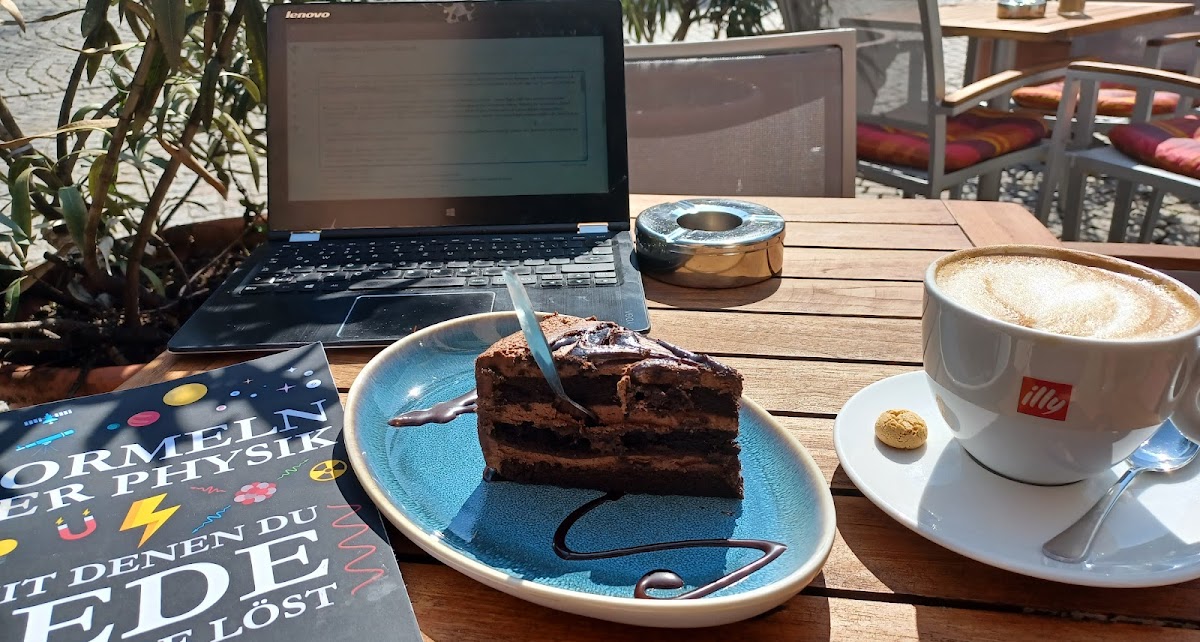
[(908, 565), (709, 298)]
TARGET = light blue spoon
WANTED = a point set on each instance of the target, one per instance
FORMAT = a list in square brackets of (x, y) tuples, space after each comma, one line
[(537, 342)]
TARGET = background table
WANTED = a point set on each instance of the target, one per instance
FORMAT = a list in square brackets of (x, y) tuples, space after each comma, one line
[(846, 314), (978, 21)]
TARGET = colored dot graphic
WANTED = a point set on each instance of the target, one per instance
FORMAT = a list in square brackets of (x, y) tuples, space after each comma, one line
[(255, 493), (185, 394), (113, 426), (7, 546), (221, 408), (308, 373), (313, 384), (144, 418)]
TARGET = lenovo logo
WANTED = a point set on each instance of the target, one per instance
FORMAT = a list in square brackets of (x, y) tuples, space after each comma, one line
[(1047, 399), (306, 14)]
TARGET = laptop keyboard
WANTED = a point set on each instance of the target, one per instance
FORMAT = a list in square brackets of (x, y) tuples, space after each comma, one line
[(542, 261)]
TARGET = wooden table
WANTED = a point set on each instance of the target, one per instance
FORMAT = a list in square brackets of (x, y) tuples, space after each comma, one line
[(978, 21), (846, 314)]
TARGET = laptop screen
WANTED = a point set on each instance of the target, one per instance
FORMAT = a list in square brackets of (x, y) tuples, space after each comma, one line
[(416, 115)]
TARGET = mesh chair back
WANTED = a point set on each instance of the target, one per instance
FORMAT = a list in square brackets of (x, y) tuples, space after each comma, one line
[(764, 116), (900, 68)]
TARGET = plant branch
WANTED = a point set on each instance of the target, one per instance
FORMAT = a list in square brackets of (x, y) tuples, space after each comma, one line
[(91, 263), (81, 140), (64, 113), (150, 214), (44, 324)]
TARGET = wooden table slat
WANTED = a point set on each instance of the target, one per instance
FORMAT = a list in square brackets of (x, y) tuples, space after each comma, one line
[(795, 296), (769, 335), (453, 608), (831, 210), (878, 236), (880, 265)]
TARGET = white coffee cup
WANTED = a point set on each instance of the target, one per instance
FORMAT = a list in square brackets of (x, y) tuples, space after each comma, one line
[(1049, 408)]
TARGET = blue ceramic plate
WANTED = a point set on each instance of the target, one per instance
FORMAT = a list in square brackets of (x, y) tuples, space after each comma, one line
[(428, 481)]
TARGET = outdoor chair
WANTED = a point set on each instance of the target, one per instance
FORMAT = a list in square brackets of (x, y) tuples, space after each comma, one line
[(912, 133), (1115, 101), (762, 115), (1162, 153)]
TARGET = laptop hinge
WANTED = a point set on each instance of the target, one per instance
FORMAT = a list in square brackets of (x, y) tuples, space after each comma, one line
[(593, 228), (304, 237)]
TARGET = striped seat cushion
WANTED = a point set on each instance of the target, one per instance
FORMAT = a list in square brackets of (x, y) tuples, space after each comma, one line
[(1173, 144), (1113, 99), (971, 138)]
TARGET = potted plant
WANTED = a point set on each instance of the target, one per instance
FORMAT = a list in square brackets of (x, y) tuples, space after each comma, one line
[(93, 275)]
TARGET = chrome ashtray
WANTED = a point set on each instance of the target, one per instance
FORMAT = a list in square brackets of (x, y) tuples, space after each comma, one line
[(710, 243)]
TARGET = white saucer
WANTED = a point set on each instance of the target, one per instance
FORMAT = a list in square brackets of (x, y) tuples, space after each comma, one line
[(1151, 538)]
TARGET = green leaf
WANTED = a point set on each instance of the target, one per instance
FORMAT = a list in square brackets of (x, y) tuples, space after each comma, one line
[(155, 282), (13, 225), (22, 213), (160, 71), (207, 100), (94, 175), (74, 212), (170, 23), (98, 123), (94, 14), (255, 21), (13, 11), (12, 296), (231, 125), (247, 83)]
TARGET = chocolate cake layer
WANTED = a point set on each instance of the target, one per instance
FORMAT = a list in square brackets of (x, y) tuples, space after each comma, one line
[(630, 440), (685, 475)]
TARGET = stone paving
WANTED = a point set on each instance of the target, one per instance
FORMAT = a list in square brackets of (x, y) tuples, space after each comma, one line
[(34, 72)]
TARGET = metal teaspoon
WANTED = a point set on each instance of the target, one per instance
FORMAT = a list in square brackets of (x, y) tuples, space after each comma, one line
[(1164, 451)]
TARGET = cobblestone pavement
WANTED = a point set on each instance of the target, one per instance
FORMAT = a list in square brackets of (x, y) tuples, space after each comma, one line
[(34, 70)]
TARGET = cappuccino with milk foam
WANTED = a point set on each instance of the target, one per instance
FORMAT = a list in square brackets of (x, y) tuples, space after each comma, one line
[(1069, 294)]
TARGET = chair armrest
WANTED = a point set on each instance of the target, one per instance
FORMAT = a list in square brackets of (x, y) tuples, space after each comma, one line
[(999, 84), (1141, 77), (1174, 38), (1159, 257)]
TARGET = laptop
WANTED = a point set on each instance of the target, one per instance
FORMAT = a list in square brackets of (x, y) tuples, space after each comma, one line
[(415, 152)]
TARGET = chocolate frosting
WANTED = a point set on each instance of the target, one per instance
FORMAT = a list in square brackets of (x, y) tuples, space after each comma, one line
[(605, 341)]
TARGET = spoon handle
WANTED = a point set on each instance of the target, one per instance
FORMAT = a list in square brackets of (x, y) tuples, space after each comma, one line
[(1073, 544)]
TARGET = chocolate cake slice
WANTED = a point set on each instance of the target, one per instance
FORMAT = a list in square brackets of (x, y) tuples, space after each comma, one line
[(667, 418)]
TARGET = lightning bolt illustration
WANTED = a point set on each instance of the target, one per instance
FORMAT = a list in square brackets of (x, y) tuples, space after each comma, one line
[(144, 512)]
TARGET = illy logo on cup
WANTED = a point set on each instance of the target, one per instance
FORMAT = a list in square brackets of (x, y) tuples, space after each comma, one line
[(1048, 399)]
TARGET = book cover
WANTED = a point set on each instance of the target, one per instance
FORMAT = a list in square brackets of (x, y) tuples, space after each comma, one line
[(216, 507)]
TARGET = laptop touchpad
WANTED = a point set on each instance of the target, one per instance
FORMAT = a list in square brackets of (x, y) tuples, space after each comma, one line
[(390, 316)]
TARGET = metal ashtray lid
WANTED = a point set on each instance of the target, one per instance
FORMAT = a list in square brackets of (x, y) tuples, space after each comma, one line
[(710, 242)]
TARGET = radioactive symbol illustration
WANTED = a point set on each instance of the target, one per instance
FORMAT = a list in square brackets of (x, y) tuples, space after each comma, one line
[(327, 470)]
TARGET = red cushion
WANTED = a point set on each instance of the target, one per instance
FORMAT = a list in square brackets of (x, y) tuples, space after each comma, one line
[(1173, 144), (1113, 99), (971, 138)]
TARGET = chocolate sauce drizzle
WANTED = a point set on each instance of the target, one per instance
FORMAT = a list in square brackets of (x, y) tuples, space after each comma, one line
[(662, 578), (440, 413)]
